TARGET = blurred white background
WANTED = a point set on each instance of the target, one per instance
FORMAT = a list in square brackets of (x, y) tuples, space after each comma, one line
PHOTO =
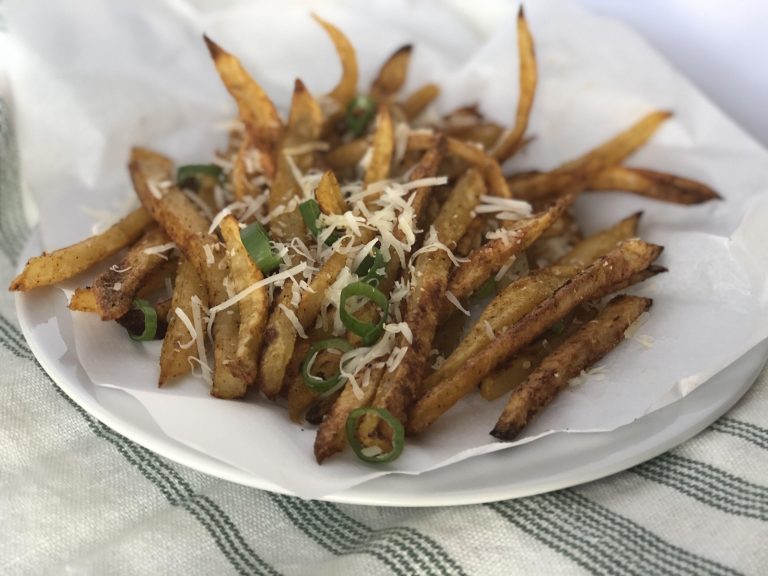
[(720, 45)]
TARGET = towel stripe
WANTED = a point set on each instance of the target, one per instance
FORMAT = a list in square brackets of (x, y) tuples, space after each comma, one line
[(13, 225), (173, 486), (599, 540), (341, 534), (709, 485), (744, 430)]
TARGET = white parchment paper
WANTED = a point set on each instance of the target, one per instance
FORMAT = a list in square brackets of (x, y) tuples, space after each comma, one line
[(91, 79)]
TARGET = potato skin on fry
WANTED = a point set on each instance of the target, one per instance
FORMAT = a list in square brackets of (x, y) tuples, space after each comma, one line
[(64, 263), (115, 291), (580, 351), (653, 184), (629, 258)]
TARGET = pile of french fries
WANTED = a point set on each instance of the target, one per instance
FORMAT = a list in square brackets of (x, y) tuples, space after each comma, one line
[(324, 259)]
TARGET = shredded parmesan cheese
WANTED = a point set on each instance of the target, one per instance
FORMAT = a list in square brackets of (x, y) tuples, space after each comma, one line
[(115, 268), (489, 329), (455, 301), (202, 357), (209, 258), (293, 319), (190, 328), (159, 249), (503, 208), (117, 286)]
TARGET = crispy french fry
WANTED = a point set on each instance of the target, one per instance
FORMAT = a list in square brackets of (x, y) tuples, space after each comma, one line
[(513, 141), (652, 184), (116, 288), (346, 89), (256, 110), (65, 263), (347, 155), (383, 148), (418, 101), (184, 224), (159, 279), (84, 300), (487, 134), (328, 195), (473, 238), (254, 308), (629, 258), (593, 341), (614, 151), (599, 244), (391, 76), (489, 258), (176, 352), (305, 124), (398, 388)]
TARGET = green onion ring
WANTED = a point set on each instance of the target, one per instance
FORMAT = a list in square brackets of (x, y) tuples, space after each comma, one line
[(314, 382), (310, 212), (360, 112), (150, 321), (193, 170), (256, 242), (398, 435), (370, 333)]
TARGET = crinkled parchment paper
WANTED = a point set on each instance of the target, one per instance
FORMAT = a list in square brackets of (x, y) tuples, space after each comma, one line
[(91, 79)]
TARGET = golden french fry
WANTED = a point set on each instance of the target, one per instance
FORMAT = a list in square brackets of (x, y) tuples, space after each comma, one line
[(188, 228), (175, 360), (254, 308), (614, 151), (305, 124), (346, 89), (630, 257), (328, 195), (383, 148), (65, 263), (487, 134), (256, 110), (599, 244), (652, 184), (580, 351), (84, 300), (347, 155), (489, 258), (391, 76), (116, 288), (513, 141), (398, 388), (418, 101)]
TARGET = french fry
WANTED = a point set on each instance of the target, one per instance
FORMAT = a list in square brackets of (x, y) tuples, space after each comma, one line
[(513, 141), (305, 124), (652, 184), (593, 341), (347, 155), (254, 308), (65, 263), (599, 244), (418, 101), (328, 195), (398, 388), (346, 89), (487, 134), (184, 224), (256, 110), (177, 351), (383, 148), (391, 76), (487, 260), (116, 288), (84, 300), (614, 151), (630, 257)]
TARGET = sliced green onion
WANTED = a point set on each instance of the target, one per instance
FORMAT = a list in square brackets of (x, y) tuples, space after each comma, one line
[(372, 265), (359, 114), (487, 289), (310, 212), (315, 382), (256, 242), (398, 435), (193, 170), (150, 320), (370, 333)]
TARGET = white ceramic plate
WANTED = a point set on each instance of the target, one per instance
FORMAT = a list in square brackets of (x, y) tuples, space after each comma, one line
[(550, 463)]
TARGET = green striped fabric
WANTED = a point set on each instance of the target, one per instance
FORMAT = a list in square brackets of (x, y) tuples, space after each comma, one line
[(78, 498)]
